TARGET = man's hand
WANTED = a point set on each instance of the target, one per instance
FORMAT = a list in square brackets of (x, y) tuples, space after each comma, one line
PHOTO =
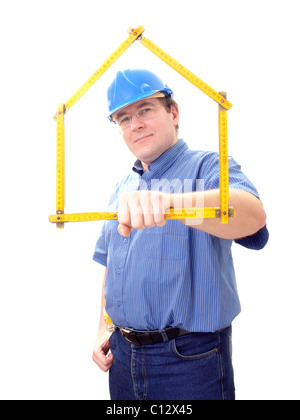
[(101, 350), (142, 209)]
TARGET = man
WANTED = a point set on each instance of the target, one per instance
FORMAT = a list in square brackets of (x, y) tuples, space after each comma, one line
[(169, 285)]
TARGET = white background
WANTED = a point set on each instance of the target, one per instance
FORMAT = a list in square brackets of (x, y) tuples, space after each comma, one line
[(50, 288)]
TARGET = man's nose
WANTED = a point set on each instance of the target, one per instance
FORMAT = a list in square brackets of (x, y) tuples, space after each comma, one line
[(136, 123)]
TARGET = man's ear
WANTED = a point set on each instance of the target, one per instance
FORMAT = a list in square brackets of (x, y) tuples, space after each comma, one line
[(175, 114)]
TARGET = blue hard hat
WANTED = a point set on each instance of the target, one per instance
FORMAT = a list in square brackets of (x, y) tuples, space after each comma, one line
[(130, 86)]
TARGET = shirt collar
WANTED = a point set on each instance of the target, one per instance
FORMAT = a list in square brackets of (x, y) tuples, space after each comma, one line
[(164, 161)]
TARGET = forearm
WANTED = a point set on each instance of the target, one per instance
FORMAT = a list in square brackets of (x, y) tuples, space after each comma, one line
[(102, 324), (102, 345), (145, 209), (250, 215)]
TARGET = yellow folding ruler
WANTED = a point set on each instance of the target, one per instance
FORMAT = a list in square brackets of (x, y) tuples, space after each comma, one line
[(192, 213), (223, 212)]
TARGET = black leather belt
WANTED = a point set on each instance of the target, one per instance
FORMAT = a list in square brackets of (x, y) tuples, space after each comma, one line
[(140, 338)]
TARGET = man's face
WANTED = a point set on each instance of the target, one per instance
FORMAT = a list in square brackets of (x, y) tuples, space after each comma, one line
[(149, 138)]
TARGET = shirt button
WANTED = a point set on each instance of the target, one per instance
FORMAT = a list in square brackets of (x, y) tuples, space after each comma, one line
[(125, 240), (118, 271)]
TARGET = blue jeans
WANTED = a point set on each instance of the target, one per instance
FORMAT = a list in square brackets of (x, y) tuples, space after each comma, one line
[(196, 366)]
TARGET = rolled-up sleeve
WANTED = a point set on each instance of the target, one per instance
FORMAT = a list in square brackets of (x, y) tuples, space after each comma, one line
[(237, 180)]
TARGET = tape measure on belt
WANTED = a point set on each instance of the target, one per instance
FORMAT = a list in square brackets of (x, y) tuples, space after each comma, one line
[(223, 212)]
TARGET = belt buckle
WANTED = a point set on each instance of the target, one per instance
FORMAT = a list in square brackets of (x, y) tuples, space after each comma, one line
[(126, 330)]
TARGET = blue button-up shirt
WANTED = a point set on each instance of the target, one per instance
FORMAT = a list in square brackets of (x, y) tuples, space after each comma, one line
[(174, 275)]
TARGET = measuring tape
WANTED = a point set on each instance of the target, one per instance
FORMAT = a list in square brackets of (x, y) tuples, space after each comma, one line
[(223, 212), (223, 163), (185, 73), (109, 324), (102, 69), (60, 162), (192, 213)]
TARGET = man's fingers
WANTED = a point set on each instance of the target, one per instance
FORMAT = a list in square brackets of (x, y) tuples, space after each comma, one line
[(100, 357), (159, 206), (124, 230), (106, 362), (142, 209)]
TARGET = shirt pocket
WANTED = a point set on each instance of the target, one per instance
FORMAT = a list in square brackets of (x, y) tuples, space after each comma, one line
[(166, 245)]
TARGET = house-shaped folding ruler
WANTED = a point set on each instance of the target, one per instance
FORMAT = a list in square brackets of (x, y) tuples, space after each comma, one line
[(223, 212)]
